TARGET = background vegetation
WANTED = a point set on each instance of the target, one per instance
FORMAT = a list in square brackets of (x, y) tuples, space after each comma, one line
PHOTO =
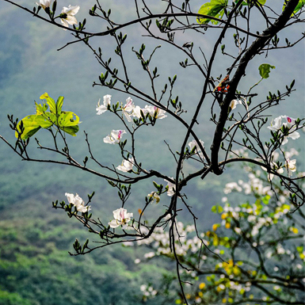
[(35, 267)]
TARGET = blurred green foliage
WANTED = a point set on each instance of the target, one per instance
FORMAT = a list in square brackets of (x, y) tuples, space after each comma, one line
[(35, 267)]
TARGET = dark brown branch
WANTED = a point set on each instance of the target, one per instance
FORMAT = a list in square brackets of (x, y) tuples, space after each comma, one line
[(253, 50)]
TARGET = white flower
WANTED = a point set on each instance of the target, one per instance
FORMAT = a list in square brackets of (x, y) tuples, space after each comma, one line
[(254, 231), (159, 113), (171, 187), (286, 121), (44, 3), (191, 228), (154, 112), (121, 218), (292, 152), (149, 255), (234, 103), (198, 151), (126, 165), (137, 112), (154, 292), (237, 230), (67, 15), (276, 288), (77, 202), (277, 123), (280, 249), (154, 196), (290, 166), (128, 109), (275, 169), (114, 137), (251, 218), (103, 108), (232, 186)]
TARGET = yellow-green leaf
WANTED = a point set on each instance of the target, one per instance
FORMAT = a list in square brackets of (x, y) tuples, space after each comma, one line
[(50, 102), (30, 127), (68, 121), (59, 104), (43, 122), (214, 8), (40, 109), (68, 118)]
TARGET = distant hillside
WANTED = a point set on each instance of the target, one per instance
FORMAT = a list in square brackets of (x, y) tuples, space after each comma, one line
[(35, 267)]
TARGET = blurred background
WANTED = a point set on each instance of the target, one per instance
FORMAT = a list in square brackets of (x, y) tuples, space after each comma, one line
[(35, 267)]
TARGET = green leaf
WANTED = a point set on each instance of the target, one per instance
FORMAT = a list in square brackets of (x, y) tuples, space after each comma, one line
[(30, 126), (68, 121), (217, 209), (71, 130), (46, 119), (264, 70), (43, 122), (214, 8), (262, 2), (50, 117), (65, 120), (68, 118), (40, 109), (59, 104), (266, 199), (50, 102)]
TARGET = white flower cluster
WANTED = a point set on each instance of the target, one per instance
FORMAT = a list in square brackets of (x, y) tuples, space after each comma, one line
[(130, 110), (259, 223), (239, 287), (67, 16), (287, 122), (290, 164), (148, 291), (231, 187), (253, 185), (160, 243)]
